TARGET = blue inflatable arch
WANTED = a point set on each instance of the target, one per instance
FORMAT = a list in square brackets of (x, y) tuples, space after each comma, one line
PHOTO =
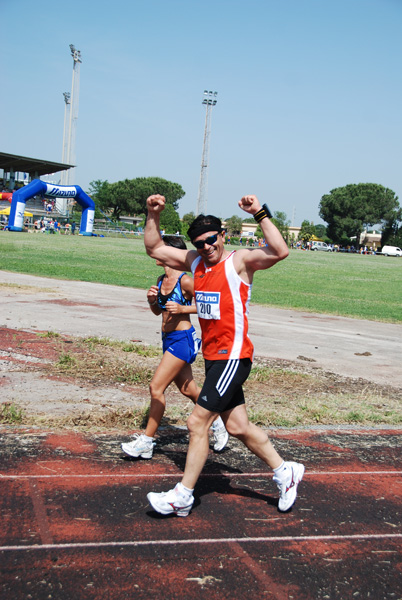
[(16, 219)]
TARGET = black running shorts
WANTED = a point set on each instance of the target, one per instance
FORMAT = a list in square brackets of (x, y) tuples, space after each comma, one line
[(222, 389)]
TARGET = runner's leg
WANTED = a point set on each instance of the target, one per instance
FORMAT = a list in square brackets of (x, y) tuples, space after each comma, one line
[(168, 369), (255, 438), (198, 425), (186, 384)]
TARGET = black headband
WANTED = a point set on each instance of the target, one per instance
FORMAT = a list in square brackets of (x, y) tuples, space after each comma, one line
[(204, 224)]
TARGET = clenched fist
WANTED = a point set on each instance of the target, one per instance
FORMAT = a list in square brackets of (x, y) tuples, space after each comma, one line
[(156, 203), (152, 294), (250, 204), (174, 308)]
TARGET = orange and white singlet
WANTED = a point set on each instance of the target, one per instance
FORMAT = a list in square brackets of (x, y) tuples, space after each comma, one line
[(222, 300)]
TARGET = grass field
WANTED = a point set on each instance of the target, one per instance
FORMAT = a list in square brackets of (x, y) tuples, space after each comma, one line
[(353, 285)]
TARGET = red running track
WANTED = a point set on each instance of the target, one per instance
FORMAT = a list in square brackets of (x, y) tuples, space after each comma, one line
[(76, 523)]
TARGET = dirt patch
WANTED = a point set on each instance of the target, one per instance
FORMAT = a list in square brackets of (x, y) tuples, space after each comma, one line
[(26, 289), (74, 382)]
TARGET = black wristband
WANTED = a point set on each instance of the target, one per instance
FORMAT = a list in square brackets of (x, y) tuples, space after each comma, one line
[(260, 215), (263, 213)]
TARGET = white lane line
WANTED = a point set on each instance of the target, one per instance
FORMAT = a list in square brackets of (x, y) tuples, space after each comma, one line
[(175, 475), (248, 540)]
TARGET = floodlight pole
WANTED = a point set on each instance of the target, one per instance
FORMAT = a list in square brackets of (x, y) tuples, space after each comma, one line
[(209, 101), (75, 90), (64, 159)]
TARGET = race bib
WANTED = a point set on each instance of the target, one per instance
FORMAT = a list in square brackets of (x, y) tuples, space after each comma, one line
[(208, 305)]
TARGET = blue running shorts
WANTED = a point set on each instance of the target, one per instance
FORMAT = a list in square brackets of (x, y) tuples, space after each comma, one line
[(182, 344)]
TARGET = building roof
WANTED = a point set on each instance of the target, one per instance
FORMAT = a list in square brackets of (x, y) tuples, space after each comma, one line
[(33, 166)]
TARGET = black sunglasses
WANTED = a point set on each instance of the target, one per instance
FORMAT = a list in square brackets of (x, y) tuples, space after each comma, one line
[(209, 240)]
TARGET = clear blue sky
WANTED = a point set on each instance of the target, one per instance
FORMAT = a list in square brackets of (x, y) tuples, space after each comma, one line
[(309, 94)]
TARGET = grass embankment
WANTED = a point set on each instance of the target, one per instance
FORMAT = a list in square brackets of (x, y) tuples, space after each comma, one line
[(352, 285), (277, 394)]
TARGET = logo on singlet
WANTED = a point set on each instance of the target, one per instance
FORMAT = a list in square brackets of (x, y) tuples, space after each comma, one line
[(211, 297)]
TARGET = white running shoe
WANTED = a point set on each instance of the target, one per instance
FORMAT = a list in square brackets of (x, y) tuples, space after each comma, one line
[(140, 446), (288, 486), (221, 436), (171, 502)]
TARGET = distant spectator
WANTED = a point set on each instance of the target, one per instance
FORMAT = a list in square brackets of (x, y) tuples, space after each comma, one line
[(73, 226)]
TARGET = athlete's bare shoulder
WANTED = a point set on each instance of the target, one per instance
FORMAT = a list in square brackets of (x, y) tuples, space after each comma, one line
[(242, 262)]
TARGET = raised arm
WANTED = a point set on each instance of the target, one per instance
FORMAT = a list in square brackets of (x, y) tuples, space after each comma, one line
[(257, 259), (152, 236), (172, 257)]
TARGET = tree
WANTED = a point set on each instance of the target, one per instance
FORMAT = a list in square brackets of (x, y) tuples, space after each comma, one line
[(170, 220), (396, 238), (351, 209), (112, 198), (95, 188), (187, 219), (281, 221), (392, 235), (234, 225), (321, 231), (307, 230), (146, 186), (98, 192), (130, 196)]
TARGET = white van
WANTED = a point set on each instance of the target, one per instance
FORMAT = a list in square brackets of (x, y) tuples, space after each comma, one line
[(391, 251), (321, 246)]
